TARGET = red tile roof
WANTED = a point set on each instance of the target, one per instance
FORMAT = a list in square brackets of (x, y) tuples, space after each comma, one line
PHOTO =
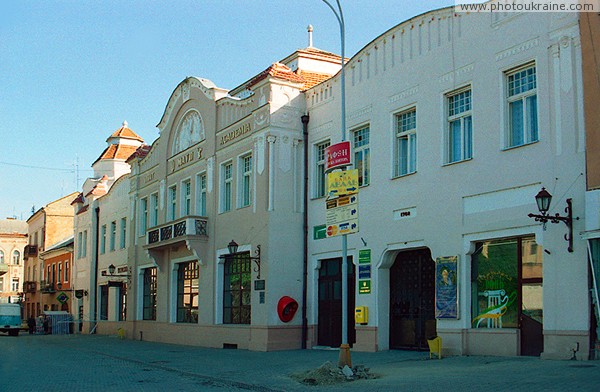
[(279, 71), (117, 151), (313, 78), (83, 209), (78, 199), (141, 152), (125, 133)]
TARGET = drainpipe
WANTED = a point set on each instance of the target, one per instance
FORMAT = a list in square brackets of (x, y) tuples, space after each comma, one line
[(305, 119), (94, 289)]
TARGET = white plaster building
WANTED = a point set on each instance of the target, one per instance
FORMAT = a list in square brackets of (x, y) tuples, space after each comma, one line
[(461, 119)]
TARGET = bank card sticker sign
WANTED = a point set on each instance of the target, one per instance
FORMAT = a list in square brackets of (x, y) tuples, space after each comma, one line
[(342, 183), (337, 155)]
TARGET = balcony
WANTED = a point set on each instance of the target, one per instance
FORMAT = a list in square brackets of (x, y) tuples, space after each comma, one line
[(29, 287), (47, 287), (183, 229), (30, 251)]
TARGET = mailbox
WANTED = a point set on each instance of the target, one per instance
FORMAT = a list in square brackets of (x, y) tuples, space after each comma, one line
[(286, 308), (361, 315)]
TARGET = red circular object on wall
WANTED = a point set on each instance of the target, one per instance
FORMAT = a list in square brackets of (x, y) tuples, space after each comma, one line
[(286, 308)]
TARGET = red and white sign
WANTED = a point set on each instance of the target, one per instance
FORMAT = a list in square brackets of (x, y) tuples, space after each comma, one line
[(338, 155)]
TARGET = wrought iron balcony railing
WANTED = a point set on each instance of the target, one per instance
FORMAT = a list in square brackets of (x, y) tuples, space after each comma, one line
[(183, 228)]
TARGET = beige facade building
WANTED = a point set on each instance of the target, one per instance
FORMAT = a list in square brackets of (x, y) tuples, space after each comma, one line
[(13, 238), (48, 227)]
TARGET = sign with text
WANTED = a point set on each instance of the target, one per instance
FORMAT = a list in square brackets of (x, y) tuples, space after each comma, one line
[(364, 286), (337, 155), (446, 287), (341, 216), (342, 183), (364, 256)]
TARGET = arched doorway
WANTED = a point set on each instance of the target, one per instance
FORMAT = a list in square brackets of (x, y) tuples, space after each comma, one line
[(412, 300)]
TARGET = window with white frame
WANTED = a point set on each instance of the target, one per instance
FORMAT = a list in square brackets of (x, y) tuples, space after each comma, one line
[(60, 273), (226, 186), (201, 194), (154, 209), (172, 209), (245, 164), (143, 216), (406, 142), (123, 237), (113, 235), (15, 284), (360, 144), (16, 257), (67, 271), (320, 179), (521, 90), (459, 136), (103, 239), (1, 256), (84, 244), (186, 198)]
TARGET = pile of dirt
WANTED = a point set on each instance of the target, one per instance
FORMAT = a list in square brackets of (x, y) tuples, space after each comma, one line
[(329, 374)]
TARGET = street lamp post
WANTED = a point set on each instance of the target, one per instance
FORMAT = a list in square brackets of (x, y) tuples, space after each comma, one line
[(344, 358)]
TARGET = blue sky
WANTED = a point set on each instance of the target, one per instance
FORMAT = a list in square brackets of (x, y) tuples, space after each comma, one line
[(72, 70)]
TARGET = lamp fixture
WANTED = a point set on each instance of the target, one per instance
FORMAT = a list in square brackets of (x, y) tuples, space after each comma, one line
[(111, 272), (232, 247), (543, 200)]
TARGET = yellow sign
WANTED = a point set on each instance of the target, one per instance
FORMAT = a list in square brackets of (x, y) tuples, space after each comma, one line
[(342, 183)]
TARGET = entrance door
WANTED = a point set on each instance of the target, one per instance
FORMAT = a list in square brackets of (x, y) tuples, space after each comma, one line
[(330, 303), (412, 300)]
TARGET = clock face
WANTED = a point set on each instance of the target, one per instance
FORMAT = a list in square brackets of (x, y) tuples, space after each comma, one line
[(190, 132)]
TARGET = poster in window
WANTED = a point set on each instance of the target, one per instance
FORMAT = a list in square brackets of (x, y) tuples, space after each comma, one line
[(446, 287)]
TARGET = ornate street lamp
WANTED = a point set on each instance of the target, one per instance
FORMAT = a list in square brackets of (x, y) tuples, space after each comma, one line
[(543, 200), (232, 247)]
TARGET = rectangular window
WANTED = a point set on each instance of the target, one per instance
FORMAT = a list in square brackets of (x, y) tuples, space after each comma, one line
[(237, 289), (186, 198), (123, 237), (15, 284), (103, 302), (246, 181), (103, 239), (361, 148), (187, 292), (143, 216), (79, 244), (113, 235), (522, 106), (201, 194), (172, 214), (507, 273), (84, 244), (67, 277), (1, 284), (150, 290), (60, 277), (406, 142), (154, 209), (122, 303), (226, 186), (459, 137), (320, 178)]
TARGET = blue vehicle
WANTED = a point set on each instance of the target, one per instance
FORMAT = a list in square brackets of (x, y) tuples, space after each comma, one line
[(10, 319)]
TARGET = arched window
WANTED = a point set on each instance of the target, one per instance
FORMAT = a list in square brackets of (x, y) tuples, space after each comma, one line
[(1, 256), (16, 257), (189, 132)]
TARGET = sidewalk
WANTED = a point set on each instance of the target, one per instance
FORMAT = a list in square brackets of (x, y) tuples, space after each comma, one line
[(270, 371)]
